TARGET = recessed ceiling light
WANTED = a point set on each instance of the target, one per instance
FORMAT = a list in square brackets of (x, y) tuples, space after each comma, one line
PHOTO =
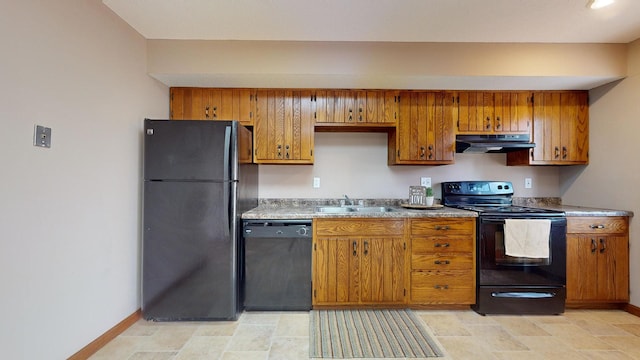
[(597, 4)]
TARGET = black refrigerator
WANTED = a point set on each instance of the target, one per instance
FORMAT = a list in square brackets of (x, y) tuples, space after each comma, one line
[(198, 179)]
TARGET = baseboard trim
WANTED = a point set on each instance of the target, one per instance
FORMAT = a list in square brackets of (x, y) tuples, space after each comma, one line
[(632, 309), (103, 339)]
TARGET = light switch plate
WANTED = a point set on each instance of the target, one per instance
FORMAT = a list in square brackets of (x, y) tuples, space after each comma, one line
[(425, 181), (316, 182), (42, 136)]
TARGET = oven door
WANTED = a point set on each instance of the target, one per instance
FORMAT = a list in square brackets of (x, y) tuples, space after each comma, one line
[(497, 269)]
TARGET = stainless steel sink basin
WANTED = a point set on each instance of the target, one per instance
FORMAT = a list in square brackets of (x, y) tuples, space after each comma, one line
[(373, 209), (351, 209), (335, 209)]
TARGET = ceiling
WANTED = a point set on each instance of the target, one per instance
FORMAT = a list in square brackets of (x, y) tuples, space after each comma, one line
[(520, 21)]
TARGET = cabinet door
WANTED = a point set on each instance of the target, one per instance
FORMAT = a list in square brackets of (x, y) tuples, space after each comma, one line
[(582, 267), (513, 112), (424, 131), (383, 266), (560, 130), (283, 128), (597, 268), (187, 104), (475, 112), (336, 271), (613, 268), (244, 106), (217, 104)]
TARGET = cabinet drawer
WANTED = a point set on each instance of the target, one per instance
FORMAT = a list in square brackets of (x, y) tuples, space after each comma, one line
[(597, 225), (421, 245), (443, 227), (359, 227), (431, 287), (440, 261)]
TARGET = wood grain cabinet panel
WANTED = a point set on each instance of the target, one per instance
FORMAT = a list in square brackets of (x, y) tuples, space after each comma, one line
[(491, 112), (597, 260), (354, 265), (283, 129), (212, 104), (560, 130), (424, 134), (356, 109), (442, 261)]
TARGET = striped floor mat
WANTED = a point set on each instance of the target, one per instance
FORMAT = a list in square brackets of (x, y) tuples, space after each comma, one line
[(348, 334)]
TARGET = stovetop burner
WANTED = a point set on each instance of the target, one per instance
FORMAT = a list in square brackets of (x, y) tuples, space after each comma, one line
[(510, 210), (489, 198)]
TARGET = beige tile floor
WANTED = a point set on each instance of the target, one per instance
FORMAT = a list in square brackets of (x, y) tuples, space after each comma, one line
[(577, 334)]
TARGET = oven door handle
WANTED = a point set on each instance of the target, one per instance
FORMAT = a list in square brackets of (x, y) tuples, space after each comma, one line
[(523, 295)]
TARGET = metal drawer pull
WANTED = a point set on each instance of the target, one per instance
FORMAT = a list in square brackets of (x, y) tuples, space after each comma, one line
[(445, 287), (523, 295), (596, 226), (440, 227), (441, 245), (594, 245), (355, 248), (438, 262)]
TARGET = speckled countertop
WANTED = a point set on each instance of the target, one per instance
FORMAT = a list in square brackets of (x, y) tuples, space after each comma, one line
[(569, 210), (305, 209)]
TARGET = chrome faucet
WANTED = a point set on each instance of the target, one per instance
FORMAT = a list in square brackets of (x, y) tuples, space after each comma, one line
[(348, 201)]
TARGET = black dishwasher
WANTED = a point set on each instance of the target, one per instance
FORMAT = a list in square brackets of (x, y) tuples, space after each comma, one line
[(277, 264)]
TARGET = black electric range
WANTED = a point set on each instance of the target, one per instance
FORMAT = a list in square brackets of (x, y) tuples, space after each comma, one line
[(506, 284)]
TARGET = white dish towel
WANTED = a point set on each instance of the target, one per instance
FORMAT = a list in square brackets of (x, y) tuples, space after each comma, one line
[(527, 238)]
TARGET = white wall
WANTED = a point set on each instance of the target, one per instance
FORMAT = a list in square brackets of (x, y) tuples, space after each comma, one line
[(612, 177), (69, 215), (355, 164)]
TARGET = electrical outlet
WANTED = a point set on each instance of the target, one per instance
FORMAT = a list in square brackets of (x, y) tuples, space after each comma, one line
[(527, 183), (425, 181), (316, 182), (42, 136)]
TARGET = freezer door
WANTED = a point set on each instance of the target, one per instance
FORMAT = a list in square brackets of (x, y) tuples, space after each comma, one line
[(189, 150), (189, 265)]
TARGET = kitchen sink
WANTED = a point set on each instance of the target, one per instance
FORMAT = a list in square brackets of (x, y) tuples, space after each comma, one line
[(335, 209), (352, 209), (373, 209)]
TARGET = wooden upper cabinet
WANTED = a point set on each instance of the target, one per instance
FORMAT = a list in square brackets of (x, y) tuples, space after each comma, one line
[(353, 108), (424, 134), (560, 130), (213, 104), (507, 112), (283, 131)]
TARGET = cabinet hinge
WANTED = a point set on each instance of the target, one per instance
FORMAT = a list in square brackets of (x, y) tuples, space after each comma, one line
[(315, 247), (405, 246), (458, 124), (315, 115), (532, 95), (404, 292), (314, 293), (311, 152), (398, 153), (250, 114), (256, 152)]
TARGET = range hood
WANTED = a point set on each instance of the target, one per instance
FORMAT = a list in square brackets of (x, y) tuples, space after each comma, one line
[(501, 143)]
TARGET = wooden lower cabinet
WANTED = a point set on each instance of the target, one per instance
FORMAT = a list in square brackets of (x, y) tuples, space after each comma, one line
[(442, 261), (597, 260), (359, 262)]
